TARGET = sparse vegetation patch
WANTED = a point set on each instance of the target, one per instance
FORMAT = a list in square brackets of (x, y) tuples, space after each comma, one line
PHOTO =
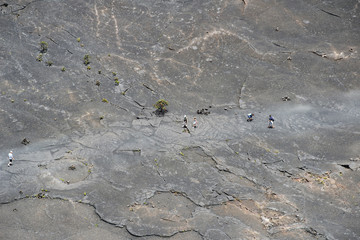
[(39, 57), (43, 47), (160, 106), (86, 59)]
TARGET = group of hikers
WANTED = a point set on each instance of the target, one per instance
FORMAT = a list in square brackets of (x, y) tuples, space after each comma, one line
[(271, 119), (250, 117), (194, 123)]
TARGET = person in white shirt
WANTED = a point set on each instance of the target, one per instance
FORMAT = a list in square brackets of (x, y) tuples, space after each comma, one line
[(11, 158), (195, 123)]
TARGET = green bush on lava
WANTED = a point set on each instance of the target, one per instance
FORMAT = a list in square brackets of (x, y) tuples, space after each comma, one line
[(39, 57), (43, 47), (87, 59), (161, 105)]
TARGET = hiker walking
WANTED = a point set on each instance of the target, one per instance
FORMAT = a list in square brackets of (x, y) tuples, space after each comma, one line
[(195, 123), (185, 125), (11, 158), (271, 122), (185, 121), (250, 117)]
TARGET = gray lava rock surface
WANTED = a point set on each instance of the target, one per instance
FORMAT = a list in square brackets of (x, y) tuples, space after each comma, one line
[(98, 163)]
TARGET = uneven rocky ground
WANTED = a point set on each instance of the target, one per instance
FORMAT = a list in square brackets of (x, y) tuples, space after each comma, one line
[(100, 164)]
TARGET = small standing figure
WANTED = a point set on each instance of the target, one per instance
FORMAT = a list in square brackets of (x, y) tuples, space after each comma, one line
[(271, 122), (11, 158), (195, 123), (250, 117), (185, 122)]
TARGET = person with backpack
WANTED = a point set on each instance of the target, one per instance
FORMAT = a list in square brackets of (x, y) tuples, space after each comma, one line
[(250, 117), (271, 122), (185, 122)]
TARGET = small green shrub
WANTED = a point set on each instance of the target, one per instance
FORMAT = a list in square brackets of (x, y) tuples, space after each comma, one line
[(63, 69), (49, 63), (43, 47), (114, 73), (86, 59), (117, 82), (99, 72), (105, 100), (39, 57), (88, 68), (78, 39), (161, 105)]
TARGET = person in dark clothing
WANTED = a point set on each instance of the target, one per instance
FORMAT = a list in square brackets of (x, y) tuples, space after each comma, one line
[(250, 117), (185, 121), (271, 122)]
